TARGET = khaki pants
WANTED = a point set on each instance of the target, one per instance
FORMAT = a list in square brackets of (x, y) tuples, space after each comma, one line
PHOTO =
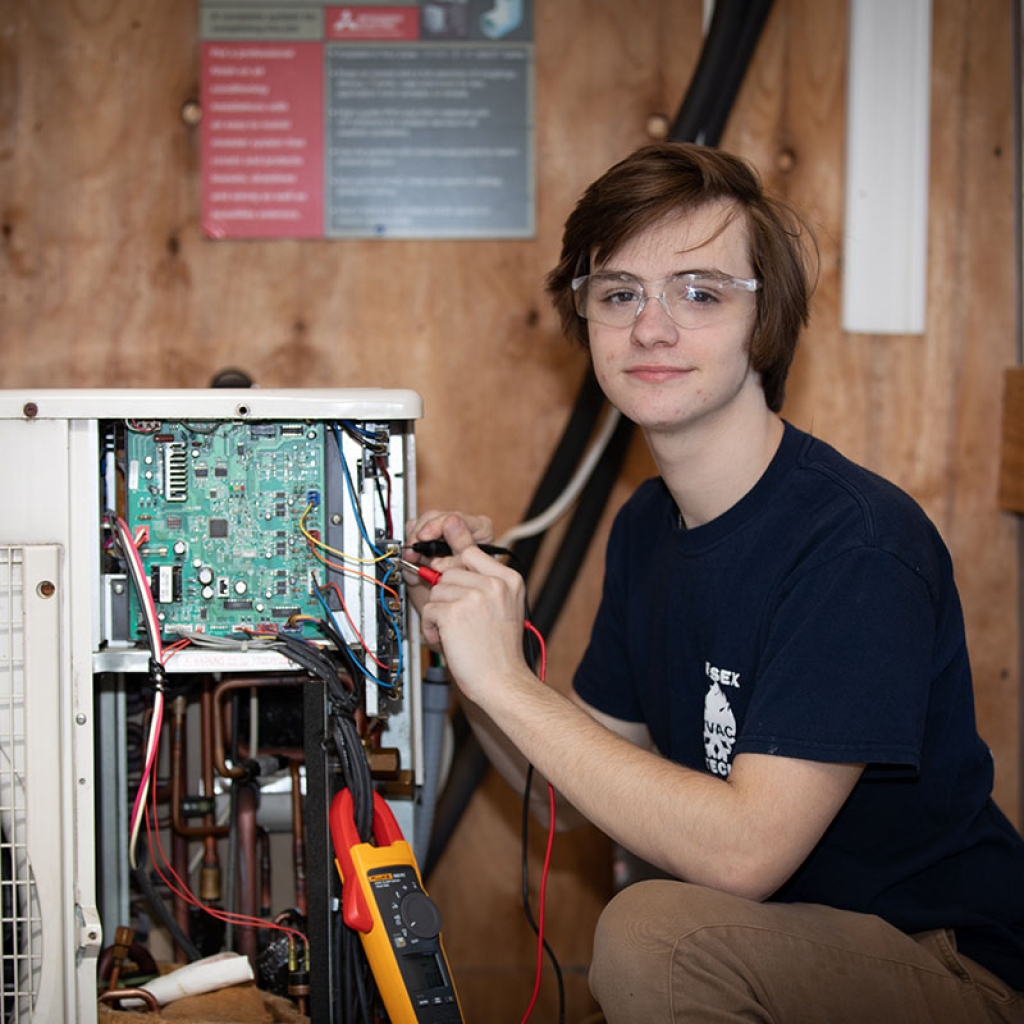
[(668, 951)]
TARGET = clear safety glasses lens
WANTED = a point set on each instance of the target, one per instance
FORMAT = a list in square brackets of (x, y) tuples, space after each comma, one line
[(691, 300)]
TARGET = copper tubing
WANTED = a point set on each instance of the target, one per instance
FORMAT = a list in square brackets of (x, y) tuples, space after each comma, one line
[(246, 818), (123, 939), (298, 838), (137, 953), (115, 997), (179, 858), (210, 874), (209, 828), (179, 844), (228, 686), (266, 875)]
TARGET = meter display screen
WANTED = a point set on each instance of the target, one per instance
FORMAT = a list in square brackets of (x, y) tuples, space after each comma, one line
[(423, 971)]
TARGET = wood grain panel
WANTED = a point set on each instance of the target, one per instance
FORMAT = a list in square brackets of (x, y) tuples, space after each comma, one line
[(107, 281), (1011, 462)]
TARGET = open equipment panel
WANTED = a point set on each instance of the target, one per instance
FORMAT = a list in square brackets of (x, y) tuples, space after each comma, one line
[(264, 524)]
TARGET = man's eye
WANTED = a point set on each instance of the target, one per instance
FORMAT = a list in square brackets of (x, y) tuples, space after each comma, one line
[(698, 295), (618, 296)]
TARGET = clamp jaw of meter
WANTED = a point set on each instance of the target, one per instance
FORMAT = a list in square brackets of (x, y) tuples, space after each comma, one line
[(383, 899)]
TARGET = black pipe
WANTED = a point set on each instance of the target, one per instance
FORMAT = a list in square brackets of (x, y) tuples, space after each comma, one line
[(732, 36), (589, 403), (576, 541), (144, 884)]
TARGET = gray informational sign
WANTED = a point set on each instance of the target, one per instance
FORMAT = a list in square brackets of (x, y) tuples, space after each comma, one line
[(426, 111), (429, 140)]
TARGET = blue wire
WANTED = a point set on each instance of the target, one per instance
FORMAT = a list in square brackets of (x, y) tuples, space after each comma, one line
[(370, 435), (352, 492), (373, 547), (399, 665), (355, 661)]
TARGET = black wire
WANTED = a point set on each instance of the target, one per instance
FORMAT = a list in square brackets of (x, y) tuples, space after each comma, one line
[(576, 540), (381, 498), (343, 944), (362, 976), (356, 777), (324, 627), (589, 402), (355, 771), (319, 663), (373, 441), (524, 860), (732, 36), (357, 991), (441, 548), (140, 876)]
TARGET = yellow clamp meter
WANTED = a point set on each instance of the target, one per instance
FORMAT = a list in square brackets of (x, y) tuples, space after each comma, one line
[(399, 924)]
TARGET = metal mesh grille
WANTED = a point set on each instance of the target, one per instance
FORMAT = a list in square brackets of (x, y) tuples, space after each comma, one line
[(20, 924)]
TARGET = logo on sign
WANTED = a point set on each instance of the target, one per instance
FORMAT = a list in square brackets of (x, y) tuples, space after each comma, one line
[(375, 23)]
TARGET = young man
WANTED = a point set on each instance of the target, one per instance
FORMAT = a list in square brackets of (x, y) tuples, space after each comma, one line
[(776, 705)]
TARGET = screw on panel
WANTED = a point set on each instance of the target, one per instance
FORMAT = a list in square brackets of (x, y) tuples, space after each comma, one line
[(30, 409), (191, 112), (657, 127), (46, 589)]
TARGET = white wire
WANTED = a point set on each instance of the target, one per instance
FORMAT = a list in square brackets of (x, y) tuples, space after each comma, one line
[(138, 574), (154, 736), (137, 571), (562, 503), (224, 642)]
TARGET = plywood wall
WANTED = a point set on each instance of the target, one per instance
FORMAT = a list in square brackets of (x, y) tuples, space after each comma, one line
[(106, 281)]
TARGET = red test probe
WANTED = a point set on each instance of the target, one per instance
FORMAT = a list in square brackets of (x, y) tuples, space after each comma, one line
[(431, 576)]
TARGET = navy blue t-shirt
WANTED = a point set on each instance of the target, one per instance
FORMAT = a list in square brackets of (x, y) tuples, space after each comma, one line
[(818, 619)]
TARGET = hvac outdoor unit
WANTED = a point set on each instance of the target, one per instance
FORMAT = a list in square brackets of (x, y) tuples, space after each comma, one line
[(69, 456)]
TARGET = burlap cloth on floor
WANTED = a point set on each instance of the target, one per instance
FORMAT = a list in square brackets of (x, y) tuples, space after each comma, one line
[(239, 1004)]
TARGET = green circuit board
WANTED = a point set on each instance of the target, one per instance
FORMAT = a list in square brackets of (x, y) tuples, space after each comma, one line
[(216, 510)]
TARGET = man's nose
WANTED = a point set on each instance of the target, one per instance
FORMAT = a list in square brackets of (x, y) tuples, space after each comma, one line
[(653, 325)]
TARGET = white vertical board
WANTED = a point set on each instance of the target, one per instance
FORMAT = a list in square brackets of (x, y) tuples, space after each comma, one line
[(885, 241)]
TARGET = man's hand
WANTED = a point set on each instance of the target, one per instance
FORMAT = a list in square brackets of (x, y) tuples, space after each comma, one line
[(430, 526), (475, 611)]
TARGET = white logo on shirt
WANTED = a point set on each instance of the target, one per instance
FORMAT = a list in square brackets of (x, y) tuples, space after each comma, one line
[(719, 721), (724, 676)]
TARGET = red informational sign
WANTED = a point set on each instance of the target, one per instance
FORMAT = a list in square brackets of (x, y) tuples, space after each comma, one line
[(373, 24), (262, 159)]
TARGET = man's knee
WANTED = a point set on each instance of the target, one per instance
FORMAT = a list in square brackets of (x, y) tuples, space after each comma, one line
[(636, 939)]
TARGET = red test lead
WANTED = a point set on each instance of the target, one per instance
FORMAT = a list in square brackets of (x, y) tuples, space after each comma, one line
[(432, 576)]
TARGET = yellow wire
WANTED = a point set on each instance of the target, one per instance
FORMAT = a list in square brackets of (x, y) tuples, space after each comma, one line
[(355, 572), (316, 542)]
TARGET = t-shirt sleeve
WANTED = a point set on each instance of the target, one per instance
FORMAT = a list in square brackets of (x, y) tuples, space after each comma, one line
[(847, 666)]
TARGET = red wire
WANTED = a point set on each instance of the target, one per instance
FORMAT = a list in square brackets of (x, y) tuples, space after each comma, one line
[(138, 806), (543, 670), (355, 629), (542, 673), (180, 888), (540, 909)]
